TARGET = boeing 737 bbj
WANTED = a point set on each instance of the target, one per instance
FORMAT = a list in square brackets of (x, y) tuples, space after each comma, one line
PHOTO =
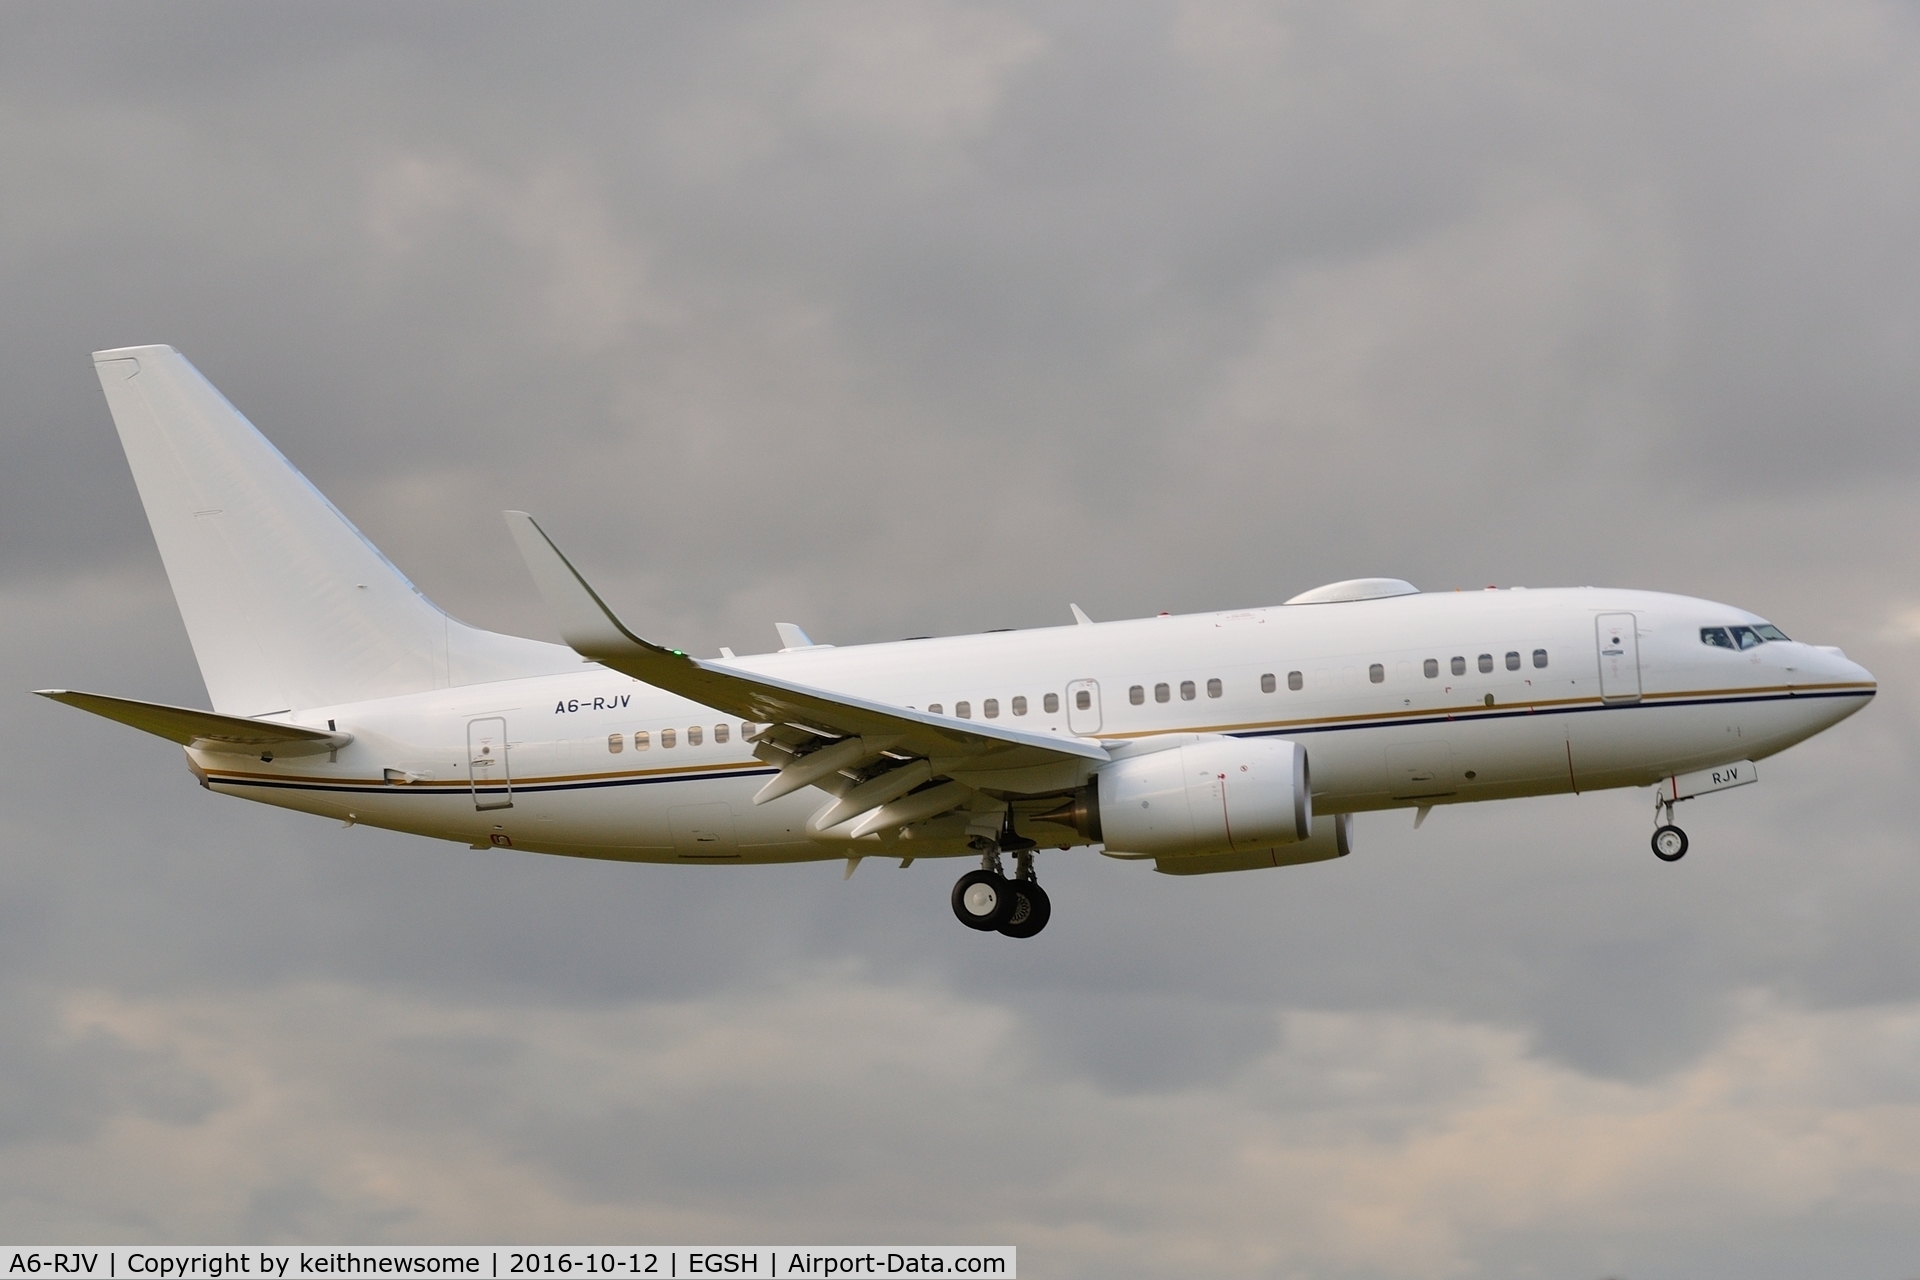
[(1203, 743)]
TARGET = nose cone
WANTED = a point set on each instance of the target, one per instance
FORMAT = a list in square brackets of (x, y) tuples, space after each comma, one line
[(1827, 678), (1830, 665)]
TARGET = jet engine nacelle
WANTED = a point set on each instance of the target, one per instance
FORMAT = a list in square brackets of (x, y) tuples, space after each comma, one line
[(1222, 795)]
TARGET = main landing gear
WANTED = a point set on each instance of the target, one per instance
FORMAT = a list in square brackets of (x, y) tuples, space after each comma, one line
[(1669, 841), (988, 901)]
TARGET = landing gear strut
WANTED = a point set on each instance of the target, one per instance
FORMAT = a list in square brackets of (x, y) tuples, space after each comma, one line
[(986, 900), (1669, 841)]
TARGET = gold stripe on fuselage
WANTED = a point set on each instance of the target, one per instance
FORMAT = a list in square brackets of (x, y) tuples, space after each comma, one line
[(1462, 711), (691, 772)]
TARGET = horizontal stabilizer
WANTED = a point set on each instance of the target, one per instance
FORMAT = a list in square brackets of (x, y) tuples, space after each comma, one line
[(206, 730), (590, 627)]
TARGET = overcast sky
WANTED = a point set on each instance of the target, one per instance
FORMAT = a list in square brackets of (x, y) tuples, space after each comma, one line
[(889, 320)]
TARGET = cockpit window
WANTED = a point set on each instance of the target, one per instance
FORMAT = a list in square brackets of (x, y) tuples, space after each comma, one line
[(1740, 637)]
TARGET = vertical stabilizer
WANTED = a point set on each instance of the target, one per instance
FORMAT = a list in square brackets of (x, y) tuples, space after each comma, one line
[(286, 603)]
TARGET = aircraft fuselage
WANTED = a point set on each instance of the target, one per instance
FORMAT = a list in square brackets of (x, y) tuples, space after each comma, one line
[(1407, 701)]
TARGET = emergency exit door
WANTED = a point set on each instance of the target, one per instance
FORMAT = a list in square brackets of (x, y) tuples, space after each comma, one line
[(487, 763), (1083, 707), (1619, 646)]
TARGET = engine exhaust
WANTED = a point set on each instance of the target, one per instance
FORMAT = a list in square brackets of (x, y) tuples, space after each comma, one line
[(1081, 812)]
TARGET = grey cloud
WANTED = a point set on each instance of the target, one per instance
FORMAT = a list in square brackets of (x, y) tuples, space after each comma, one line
[(895, 321), (343, 1109)]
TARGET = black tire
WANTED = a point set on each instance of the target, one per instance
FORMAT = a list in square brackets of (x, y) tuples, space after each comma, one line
[(1031, 913), (983, 900), (1669, 843)]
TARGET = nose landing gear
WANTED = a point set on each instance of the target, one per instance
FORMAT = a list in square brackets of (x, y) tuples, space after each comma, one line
[(1669, 841), (986, 900)]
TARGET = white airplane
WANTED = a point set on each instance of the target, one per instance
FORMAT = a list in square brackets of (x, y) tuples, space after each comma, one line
[(339, 689)]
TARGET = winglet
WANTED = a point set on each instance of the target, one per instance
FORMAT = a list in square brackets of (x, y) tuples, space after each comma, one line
[(596, 634), (588, 626), (1080, 615)]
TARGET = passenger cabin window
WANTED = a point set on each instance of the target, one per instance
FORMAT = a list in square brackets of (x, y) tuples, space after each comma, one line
[(1050, 703), (1486, 663), (1083, 699), (964, 710), (1459, 665), (1213, 688), (934, 708), (666, 738), (1136, 695), (642, 740), (1513, 660), (719, 733), (1267, 684), (1432, 668), (746, 730), (616, 743), (1296, 681), (991, 708), (1186, 691), (1020, 705), (693, 735), (1161, 693), (1377, 672), (1539, 657)]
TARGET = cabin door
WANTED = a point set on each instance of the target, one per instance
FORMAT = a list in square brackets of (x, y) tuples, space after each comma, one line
[(1619, 647), (487, 763)]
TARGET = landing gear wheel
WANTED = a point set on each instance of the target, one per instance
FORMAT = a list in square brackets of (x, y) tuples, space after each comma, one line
[(1031, 912), (1669, 843), (984, 900)]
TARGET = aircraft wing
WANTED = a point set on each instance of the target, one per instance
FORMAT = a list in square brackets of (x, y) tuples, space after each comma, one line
[(207, 730), (804, 721)]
